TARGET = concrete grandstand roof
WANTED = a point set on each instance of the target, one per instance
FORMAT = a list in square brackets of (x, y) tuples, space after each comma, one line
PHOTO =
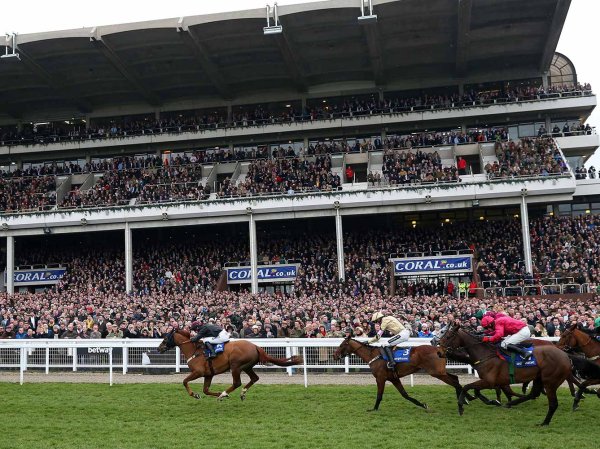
[(322, 48)]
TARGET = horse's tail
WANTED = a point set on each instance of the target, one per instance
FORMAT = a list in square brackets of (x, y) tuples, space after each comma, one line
[(263, 358)]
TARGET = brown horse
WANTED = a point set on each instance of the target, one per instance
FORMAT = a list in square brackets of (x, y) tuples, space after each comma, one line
[(238, 356), (554, 367), (578, 340), (421, 357)]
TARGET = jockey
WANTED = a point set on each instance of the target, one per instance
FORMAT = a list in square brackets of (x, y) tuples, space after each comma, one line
[(394, 327), (515, 331), (210, 335)]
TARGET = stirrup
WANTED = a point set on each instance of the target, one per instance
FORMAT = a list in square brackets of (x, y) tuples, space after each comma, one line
[(391, 365)]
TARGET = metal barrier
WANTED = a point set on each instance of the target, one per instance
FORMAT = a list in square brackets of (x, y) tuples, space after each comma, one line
[(141, 354)]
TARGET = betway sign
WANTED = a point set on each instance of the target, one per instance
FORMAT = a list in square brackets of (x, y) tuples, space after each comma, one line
[(411, 266), (266, 273), (48, 276)]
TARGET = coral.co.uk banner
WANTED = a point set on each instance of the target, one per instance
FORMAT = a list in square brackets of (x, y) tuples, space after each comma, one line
[(46, 276), (410, 266), (266, 273)]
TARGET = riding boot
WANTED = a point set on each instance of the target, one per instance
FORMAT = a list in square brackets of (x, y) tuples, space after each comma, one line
[(521, 351), (211, 350), (391, 364)]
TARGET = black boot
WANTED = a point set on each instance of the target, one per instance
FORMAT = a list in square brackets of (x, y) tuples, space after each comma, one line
[(390, 355), (211, 350), (521, 351)]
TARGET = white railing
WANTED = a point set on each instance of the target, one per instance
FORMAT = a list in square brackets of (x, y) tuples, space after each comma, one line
[(141, 354)]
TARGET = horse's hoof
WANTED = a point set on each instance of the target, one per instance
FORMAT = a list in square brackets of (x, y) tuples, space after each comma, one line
[(465, 401), (196, 396), (372, 410), (496, 403), (460, 411), (506, 405), (544, 424), (425, 406), (243, 397)]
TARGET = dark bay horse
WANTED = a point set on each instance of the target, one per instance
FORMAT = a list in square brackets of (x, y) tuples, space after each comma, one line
[(421, 357), (554, 367), (575, 339), (238, 356)]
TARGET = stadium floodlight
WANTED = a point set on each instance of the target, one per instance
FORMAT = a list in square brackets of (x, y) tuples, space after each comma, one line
[(5, 226), (84, 222), (13, 46), (428, 199), (276, 28), (523, 192), (366, 13), (336, 205), (249, 210), (47, 230), (165, 216)]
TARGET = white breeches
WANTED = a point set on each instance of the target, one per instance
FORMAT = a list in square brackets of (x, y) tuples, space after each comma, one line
[(223, 337), (400, 338), (519, 337)]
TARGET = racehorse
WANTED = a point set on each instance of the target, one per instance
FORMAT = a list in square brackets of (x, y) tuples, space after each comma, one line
[(554, 367), (578, 340), (237, 356), (421, 357)]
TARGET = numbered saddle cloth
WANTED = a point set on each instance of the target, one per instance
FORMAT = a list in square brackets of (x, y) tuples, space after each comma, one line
[(519, 361), (219, 348), (401, 355)]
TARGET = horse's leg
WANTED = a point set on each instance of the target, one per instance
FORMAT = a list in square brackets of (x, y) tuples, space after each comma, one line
[(253, 379), (206, 389), (481, 384), (487, 401), (380, 388), (582, 388), (398, 384), (535, 392), (552, 402), (452, 380), (524, 387), (192, 376), (236, 373)]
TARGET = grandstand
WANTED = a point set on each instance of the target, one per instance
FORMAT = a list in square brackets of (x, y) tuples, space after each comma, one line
[(347, 157)]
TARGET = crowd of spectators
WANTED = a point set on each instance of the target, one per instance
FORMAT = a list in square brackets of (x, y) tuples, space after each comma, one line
[(526, 157), (176, 281), (245, 116), (285, 175), (406, 167)]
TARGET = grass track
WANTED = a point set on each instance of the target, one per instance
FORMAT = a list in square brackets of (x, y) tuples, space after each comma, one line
[(278, 416)]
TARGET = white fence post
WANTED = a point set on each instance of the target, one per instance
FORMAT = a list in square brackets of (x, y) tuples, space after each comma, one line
[(288, 354), (22, 365), (74, 351), (347, 364), (110, 367), (47, 360), (177, 360), (125, 359), (304, 362)]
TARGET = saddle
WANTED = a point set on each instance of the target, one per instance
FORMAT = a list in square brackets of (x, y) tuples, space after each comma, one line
[(218, 348), (517, 359), (401, 355)]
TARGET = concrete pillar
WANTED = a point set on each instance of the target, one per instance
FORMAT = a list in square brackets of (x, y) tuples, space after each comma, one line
[(229, 113), (545, 80), (253, 254), (381, 96), (461, 89), (463, 128), (303, 103), (128, 259), (10, 265), (305, 144), (19, 126), (548, 124), (157, 114), (526, 235), (339, 237), (88, 158)]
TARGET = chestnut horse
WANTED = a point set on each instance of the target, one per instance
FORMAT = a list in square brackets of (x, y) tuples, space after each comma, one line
[(578, 340), (238, 356), (421, 357), (554, 367)]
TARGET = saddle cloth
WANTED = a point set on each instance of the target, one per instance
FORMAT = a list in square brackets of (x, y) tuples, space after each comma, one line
[(401, 355), (519, 362), (219, 348)]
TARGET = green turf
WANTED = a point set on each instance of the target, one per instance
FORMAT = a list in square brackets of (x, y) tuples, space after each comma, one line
[(285, 416)]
